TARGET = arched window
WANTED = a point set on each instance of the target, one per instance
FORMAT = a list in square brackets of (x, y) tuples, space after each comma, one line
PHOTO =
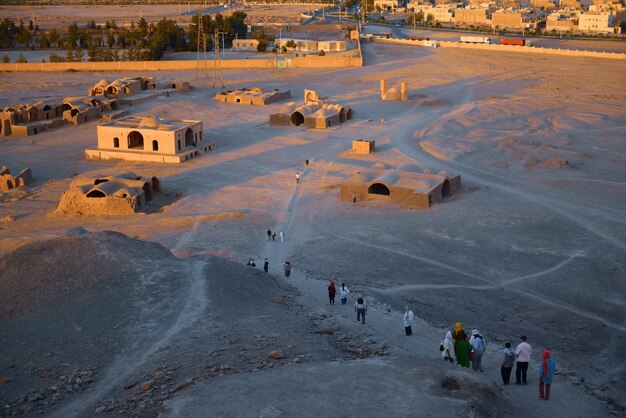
[(155, 145), (116, 142), (188, 137)]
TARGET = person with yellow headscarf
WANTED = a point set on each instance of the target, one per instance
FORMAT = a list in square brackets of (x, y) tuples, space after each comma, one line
[(456, 337)]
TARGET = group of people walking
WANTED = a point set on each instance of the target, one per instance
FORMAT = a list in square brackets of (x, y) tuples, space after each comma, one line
[(456, 345), (360, 306), (266, 266), (271, 235)]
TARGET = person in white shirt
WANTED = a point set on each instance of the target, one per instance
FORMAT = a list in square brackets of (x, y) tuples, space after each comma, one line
[(360, 307), (522, 354), (408, 320), (448, 348), (343, 293)]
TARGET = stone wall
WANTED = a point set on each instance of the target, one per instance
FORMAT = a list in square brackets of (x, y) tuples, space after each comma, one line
[(189, 65), (509, 48)]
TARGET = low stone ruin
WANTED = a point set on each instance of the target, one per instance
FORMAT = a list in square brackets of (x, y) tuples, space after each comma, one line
[(8, 181), (120, 195), (252, 96), (409, 186), (135, 90), (313, 113), (394, 94), (363, 146)]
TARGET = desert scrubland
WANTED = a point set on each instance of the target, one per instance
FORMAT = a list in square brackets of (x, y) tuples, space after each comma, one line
[(161, 316)]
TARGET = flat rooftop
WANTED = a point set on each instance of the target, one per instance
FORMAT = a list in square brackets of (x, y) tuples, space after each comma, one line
[(151, 122)]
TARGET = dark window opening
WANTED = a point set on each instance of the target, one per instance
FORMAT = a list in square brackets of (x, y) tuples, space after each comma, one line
[(116, 142), (188, 137), (96, 193), (98, 181), (445, 189), (155, 145), (297, 118), (378, 188)]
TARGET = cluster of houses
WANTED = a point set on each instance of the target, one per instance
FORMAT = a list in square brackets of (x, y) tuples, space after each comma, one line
[(585, 16), (151, 138), (102, 102)]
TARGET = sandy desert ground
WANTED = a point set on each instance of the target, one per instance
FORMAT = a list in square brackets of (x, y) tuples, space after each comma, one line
[(167, 320)]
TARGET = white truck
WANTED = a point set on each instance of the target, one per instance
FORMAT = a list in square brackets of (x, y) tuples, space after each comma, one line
[(476, 39)]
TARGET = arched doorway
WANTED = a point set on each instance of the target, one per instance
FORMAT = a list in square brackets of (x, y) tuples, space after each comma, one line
[(342, 115), (135, 140), (379, 188), (445, 189), (111, 91), (297, 118), (155, 145), (188, 137)]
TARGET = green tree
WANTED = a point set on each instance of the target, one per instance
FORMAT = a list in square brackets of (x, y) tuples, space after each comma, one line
[(44, 42), (21, 59), (291, 44), (261, 46), (5, 59), (322, 53), (54, 37), (24, 37)]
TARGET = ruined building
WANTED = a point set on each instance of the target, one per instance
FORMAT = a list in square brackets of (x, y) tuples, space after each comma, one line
[(252, 96), (9, 181), (394, 94), (405, 186), (120, 195), (313, 113)]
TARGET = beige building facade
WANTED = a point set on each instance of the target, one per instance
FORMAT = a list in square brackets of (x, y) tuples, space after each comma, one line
[(472, 16), (149, 138), (596, 22)]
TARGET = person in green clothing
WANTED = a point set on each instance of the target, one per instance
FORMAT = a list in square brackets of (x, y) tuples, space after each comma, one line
[(463, 351)]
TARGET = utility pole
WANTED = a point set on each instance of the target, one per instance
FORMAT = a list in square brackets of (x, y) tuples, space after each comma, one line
[(201, 55), (217, 61)]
